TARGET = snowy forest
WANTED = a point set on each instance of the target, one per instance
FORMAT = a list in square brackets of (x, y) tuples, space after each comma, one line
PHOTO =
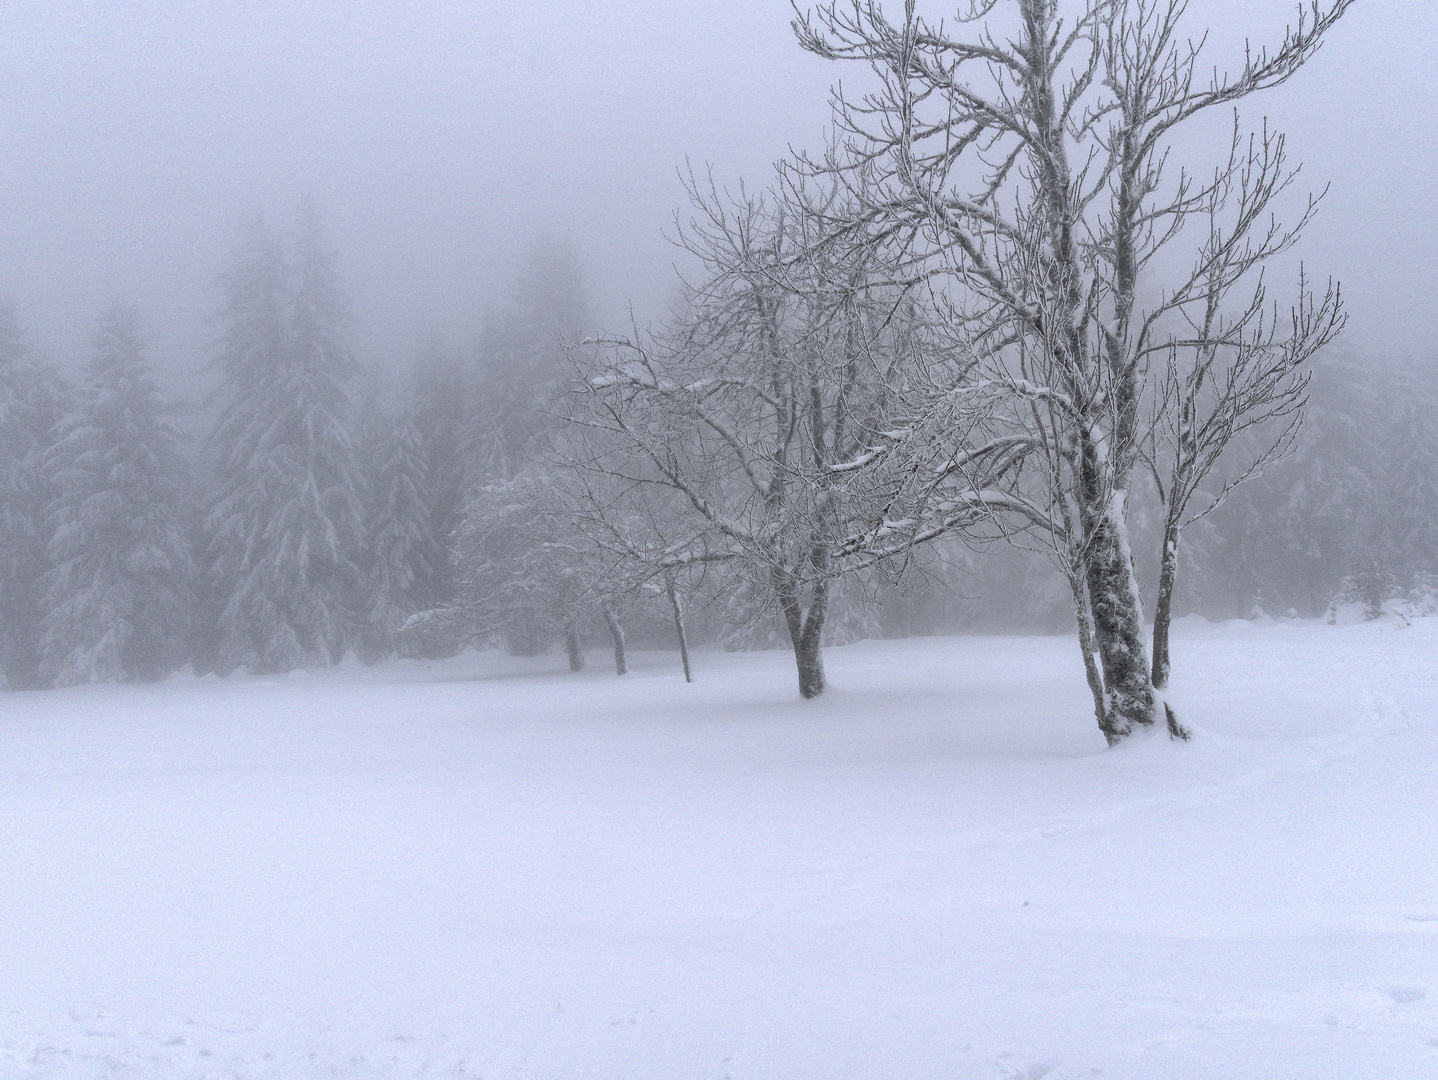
[(310, 508), (836, 539)]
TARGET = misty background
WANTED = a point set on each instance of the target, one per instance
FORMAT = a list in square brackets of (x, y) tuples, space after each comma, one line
[(438, 140), (443, 191)]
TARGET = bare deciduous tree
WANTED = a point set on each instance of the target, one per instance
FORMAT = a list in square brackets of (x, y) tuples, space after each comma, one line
[(1223, 378), (766, 417), (1028, 167)]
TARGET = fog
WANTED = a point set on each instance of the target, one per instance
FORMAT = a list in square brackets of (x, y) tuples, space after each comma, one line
[(438, 139), (937, 653), (460, 158)]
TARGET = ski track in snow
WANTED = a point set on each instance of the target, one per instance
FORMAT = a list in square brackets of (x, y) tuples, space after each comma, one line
[(934, 872)]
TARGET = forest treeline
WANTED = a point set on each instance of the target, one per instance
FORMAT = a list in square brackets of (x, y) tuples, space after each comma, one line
[(318, 513)]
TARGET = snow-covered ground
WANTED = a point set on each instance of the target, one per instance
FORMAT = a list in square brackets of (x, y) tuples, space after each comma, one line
[(490, 867)]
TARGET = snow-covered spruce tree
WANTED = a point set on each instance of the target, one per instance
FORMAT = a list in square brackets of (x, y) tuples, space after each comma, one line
[(284, 523), (1410, 491), (521, 361), (1028, 165), (31, 401), (440, 400), (399, 548), (1289, 538), (117, 597), (520, 372)]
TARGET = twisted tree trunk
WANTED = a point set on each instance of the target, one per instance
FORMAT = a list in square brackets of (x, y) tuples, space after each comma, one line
[(1117, 618)]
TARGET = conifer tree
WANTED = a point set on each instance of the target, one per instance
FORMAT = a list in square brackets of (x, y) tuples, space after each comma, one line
[(522, 367), (30, 402), (525, 579), (285, 521), (1411, 491), (521, 360), (400, 548), (117, 596), (440, 400)]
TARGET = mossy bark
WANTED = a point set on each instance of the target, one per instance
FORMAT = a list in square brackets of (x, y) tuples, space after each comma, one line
[(1118, 623)]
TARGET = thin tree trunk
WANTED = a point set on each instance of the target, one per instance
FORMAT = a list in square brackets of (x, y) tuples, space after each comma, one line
[(1084, 618), (616, 631), (1163, 611), (679, 626), (572, 646)]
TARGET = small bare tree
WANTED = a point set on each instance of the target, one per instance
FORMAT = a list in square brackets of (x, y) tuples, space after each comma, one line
[(766, 416), (544, 553), (1223, 378), (1029, 167), (618, 536)]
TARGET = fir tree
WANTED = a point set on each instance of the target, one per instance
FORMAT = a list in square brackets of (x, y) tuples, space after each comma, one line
[(117, 596), (30, 403), (400, 548), (1411, 490), (285, 521), (525, 581), (521, 360), (440, 400)]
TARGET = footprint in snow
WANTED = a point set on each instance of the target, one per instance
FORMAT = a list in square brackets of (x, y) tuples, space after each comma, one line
[(1407, 995), (1036, 1071)]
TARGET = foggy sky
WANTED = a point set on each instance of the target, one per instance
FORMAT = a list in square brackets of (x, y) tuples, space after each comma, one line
[(439, 137)]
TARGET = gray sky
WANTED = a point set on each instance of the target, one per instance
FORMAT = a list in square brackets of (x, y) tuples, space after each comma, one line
[(438, 137)]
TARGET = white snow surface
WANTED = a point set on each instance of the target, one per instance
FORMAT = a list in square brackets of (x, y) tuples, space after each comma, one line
[(488, 867)]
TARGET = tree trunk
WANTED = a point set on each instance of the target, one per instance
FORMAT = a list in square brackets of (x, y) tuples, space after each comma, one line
[(571, 645), (1118, 623), (1084, 619), (810, 660), (805, 631), (679, 626), (616, 631), (1163, 611)]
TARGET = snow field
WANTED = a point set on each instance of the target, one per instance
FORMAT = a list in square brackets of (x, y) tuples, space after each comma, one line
[(492, 867)]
